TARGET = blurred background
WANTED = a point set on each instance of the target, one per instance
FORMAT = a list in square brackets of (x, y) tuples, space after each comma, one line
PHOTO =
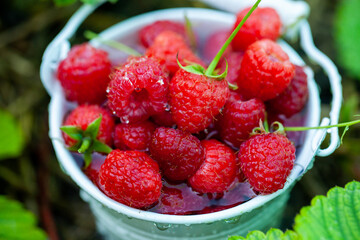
[(29, 171)]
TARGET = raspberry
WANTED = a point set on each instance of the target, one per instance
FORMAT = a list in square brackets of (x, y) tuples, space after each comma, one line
[(84, 74), (138, 89), (267, 160), (82, 116), (265, 71), (218, 170), (131, 178), (233, 60), (167, 46), (195, 100), (134, 136), (238, 119), (178, 153), (213, 44), (148, 33), (294, 98), (263, 23)]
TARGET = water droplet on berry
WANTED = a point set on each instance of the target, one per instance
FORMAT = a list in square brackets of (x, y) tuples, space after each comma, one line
[(114, 112), (167, 107), (160, 81), (233, 220), (162, 226), (137, 89), (107, 90), (124, 119)]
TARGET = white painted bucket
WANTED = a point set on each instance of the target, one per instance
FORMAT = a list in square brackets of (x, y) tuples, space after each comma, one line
[(117, 221)]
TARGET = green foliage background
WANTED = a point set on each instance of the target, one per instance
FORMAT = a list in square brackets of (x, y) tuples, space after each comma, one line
[(29, 171)]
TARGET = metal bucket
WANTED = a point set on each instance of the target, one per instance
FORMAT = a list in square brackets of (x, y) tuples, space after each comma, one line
[(117, 221)]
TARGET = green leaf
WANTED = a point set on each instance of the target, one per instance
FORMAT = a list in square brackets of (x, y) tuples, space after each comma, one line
[(61, 3), (16, 223), (336, 216), (347, 35), (92, 129), (11, 136), (194, 68), (272, 234), (98, 146), (74, 132)]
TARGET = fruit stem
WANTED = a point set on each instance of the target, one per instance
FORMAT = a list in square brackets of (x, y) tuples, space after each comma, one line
[(85, 145), (114, 44), (345, 124), (215, 61)]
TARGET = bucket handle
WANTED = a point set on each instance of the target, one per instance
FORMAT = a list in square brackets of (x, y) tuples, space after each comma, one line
[(307, 44)]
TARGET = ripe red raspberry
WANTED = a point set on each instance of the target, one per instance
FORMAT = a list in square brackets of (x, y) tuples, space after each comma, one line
[(148, 33), (233, 60), (133, 136), (178, 153), (294, 98), (218, 170), (82, 116), (267, 160), (263, 23), (265, 71), (213, 44), (239, 118), (84, 74), (196, 99), (138, 89), (167, 46), (131, 178)]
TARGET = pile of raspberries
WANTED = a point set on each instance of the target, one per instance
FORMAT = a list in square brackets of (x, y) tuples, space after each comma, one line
[(181, 142)]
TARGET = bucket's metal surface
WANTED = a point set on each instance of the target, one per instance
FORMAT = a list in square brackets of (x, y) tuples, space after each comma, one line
[(117, 226), (117, 221)]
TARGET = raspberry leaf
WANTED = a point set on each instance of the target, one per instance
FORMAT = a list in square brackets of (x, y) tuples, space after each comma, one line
[(346, 21), (11, 136), (272, 234), (18, 223), (336, 216)]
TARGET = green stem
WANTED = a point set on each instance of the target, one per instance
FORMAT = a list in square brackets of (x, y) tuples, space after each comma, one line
[(85, 145), (114, 44), (209, 71), (345, 124)]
